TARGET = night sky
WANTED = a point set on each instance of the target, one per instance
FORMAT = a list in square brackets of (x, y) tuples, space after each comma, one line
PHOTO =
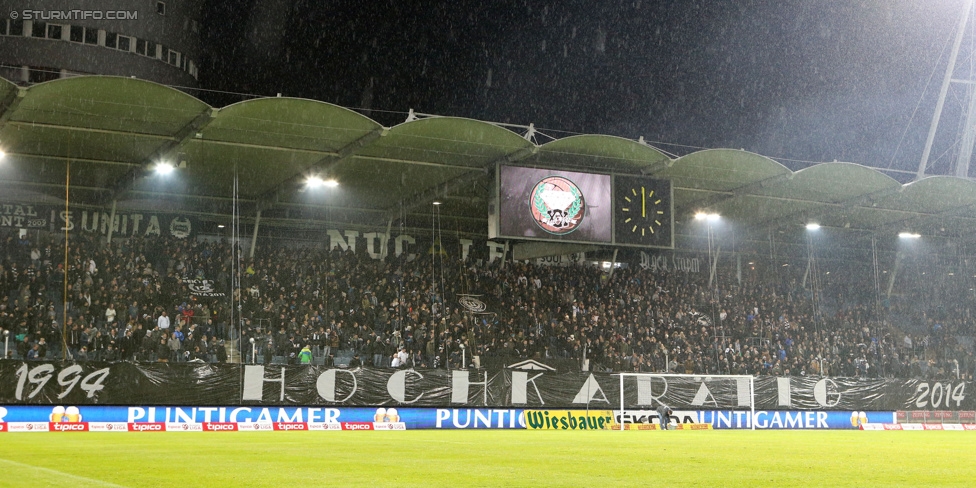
[(811, 80)]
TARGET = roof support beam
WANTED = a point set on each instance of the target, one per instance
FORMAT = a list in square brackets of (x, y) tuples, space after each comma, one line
[(91, 130), (736, 193), (424, 196), (269, 148), (188, 131), (824, 208), (656, 167), (73, 160), (271, 197), (59, 186), (415, 162), (10, 103), (906, 223)]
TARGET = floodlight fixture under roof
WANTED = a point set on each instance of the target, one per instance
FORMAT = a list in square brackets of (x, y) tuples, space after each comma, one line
[(164, 168)]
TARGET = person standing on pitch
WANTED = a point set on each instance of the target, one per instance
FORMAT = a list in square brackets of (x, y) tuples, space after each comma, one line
[(664, 415)]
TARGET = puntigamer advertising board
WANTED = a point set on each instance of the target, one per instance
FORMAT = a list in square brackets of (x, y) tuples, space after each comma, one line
[(24, 418)]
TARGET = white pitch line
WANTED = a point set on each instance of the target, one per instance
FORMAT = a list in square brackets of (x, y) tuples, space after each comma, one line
[(53, 472)]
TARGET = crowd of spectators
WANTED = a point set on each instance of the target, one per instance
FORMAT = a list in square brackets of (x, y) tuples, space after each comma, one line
[(131, 301), (119, 305)]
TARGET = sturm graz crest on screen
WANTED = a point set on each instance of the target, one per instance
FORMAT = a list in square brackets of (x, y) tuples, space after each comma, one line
[(557, 205)]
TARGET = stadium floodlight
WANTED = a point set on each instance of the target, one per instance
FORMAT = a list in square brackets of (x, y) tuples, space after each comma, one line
[(164, 168), (2, 154), (813, 226), (220, 226), (909, 235), (435, 203), (711, 217), (314, 182), (317, 182)]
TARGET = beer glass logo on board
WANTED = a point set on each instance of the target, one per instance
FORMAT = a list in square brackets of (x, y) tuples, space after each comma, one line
[(557, 205)]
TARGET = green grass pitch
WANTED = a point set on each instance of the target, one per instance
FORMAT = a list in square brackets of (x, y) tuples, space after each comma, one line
[(489, 458)]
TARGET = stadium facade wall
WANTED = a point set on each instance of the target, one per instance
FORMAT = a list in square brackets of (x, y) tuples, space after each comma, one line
[(38, 383)]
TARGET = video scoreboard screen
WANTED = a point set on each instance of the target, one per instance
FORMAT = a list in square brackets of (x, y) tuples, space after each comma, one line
[(568, 206)]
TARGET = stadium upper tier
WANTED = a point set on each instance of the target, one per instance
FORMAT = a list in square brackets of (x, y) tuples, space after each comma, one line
[(113, 130)]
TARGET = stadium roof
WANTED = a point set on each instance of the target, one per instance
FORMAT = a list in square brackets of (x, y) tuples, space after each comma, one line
[(113, 130)]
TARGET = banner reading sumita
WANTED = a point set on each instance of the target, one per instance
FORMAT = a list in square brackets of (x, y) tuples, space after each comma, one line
[(126, 224)]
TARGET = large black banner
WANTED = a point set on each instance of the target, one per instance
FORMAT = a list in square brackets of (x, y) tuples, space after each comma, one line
[(228, 384)]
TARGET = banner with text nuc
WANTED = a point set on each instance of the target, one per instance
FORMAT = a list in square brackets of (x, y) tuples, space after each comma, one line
[(125, 383)]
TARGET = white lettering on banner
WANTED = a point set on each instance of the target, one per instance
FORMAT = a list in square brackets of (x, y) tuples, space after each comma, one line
[(645, 390), (295, 417), (561, 260), (207, 414), (235, 412), (202, 288), (68, 379), (647, 396), (702, 396), (370, 238), (825, 393), (219, 426), (398, 246), (783, 398), (326, 385), (651, 416), (589, 391), (460, 382), (766, 420), (497, 250), (939, 395), (254, 380), (69, 427), (520, 383), (233, 415), (21, 216), (336, 240), (397, 386), (153, 227), (465, 248), (793, 420), (479, 419), (177, 226)]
